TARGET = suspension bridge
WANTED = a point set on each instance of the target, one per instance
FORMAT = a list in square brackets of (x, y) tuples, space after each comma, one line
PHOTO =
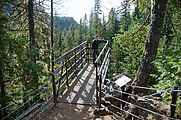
[(76, 80)]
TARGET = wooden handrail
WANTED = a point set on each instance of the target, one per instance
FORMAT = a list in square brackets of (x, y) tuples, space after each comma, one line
[(70, 64), (69, 52), (72, 61), (102, 51), (104, 59)]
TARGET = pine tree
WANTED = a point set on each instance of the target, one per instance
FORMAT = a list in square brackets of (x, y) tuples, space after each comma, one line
[(91, 26), (104, 32), (112, 25), (97, 12), (125, 17), (85, 28)]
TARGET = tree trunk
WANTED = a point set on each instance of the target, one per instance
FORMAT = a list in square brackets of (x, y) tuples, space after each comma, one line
[(151, 45), (32, 44), (3, 92), (31, 23)]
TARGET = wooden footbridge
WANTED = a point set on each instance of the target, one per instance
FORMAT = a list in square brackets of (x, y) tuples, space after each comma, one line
[(76, 79)]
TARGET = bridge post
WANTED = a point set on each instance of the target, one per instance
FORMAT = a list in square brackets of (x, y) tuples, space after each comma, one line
[(81, 54), (75, 67), (100, 90), (101, 59), (87, 52), (97, 98), (66, 68), (174, 99)]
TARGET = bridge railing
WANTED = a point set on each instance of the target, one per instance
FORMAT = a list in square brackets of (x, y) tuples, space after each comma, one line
[(101, 65), (67, 66)]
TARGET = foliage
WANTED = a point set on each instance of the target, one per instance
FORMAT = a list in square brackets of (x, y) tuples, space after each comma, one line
[(167, 67), (125, 20), (168, 71), (18, 68), (113, 26), (126, 51)]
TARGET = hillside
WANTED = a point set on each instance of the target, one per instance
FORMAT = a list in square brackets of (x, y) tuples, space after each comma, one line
[(64, 22)]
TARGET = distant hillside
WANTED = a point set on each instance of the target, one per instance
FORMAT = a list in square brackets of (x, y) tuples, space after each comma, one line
[(64, 22)]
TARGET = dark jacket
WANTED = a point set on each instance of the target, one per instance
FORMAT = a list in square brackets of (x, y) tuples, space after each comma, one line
[(95, 44)]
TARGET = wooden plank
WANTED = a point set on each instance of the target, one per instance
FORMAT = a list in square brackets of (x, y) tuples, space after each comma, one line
[(82, 89)]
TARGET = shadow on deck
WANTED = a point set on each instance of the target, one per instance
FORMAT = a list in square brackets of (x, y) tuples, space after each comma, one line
[(82, 90)]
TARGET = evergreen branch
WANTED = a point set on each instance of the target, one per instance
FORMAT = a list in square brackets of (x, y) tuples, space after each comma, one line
[(20, 14), (121, 10), (18, 30), (41, 20), (12, 2), (172, 25), (141, 25)]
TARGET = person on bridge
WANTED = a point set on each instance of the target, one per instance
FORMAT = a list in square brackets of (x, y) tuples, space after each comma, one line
[(95, 45)]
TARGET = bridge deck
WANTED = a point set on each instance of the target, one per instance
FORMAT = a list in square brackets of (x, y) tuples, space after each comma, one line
[(82, 89)]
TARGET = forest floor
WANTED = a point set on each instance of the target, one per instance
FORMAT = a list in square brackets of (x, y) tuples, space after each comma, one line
[(66, 111)]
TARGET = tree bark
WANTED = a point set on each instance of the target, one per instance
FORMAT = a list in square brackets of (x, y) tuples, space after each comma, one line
[(32, 44), (3, 103), (151, 44), (31, 23), (3, 91)]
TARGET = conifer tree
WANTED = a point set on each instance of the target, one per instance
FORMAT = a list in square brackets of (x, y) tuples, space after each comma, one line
[(85, 28), (125, 16), (112, 27), (97, 12)]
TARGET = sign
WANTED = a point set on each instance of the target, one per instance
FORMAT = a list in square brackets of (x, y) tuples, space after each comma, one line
[(123, 81)]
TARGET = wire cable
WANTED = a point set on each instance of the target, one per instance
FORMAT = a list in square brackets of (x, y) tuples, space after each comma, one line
[(144, 98), (26, 95), (140, 107), (24, 103), (146, 88), (158, 92), (122, 110)]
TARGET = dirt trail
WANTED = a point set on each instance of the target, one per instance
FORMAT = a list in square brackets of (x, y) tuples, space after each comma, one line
[(66, 111)]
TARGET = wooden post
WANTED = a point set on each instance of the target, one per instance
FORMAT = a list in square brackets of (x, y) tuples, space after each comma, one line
[(87, 52), (97, 100), (100, 91), (174, 99), (66, 68), (101, 58), (81, 54), (75, 67)]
